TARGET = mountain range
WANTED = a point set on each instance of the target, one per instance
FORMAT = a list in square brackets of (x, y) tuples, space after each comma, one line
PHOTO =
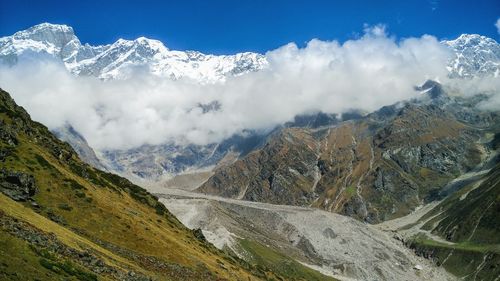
[(120, 59), (472, 55), (375, 168), (322, 196)]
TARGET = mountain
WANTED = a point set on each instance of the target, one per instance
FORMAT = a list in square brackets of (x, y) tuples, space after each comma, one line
[(79, 144), (473, 55), (423, 170), (49, 40), (62, 219), (460, 233), (120, 59), (469, 223), (158, 164), (375, 168)]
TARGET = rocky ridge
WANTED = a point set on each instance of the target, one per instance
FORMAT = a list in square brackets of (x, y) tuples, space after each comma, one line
[(375, 168)]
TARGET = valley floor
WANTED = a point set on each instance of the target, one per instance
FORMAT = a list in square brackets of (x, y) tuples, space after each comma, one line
[(335, 245)]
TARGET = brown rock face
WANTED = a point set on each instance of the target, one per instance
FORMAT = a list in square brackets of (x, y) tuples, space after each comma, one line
[(376, 168)]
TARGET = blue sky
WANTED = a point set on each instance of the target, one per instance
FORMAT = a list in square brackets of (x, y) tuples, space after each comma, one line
[(229, 26)]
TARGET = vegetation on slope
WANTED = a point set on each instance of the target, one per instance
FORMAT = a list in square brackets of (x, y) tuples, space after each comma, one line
[(469, 221), (269, 259), (375, 168), (75, 222)]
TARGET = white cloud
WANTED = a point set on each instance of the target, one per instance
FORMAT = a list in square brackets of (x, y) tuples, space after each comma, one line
[(497, 25), (488, 85), (328, 76)]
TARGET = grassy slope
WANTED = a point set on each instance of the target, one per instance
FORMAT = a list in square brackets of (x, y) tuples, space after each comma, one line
[(270, 259), (93, 211), (24, 257), (470, 218), (467, 261)]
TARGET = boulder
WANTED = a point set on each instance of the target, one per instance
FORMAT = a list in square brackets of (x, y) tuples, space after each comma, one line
[(17, 185)]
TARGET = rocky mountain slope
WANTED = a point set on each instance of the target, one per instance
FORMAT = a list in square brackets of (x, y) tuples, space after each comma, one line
[(79, 144), (62, 219), (120, 59), (375, 168), (157, 164)]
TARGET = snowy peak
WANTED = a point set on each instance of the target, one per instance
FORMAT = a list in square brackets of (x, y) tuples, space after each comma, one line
[(121, 59), (109, 61), (475, 55), (58, 35), (471, 40), (44, 38), (140, 43), (151, 43)]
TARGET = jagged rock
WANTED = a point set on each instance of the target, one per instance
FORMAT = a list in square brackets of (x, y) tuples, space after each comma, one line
[(17, 185), (305, 245), (198, 233), (7, 135)]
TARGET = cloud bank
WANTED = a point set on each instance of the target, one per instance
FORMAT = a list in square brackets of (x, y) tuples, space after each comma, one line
[(365, 73), (497, 25)]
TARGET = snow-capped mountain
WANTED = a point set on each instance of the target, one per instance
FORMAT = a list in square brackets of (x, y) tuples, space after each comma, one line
[(56, 41), (118, 60), (474, 55)]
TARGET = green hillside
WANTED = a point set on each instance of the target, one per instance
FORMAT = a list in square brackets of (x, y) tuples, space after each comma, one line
[(61, 219)]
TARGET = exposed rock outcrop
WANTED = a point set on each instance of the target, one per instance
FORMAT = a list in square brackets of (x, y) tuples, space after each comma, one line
[(17, 185)]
